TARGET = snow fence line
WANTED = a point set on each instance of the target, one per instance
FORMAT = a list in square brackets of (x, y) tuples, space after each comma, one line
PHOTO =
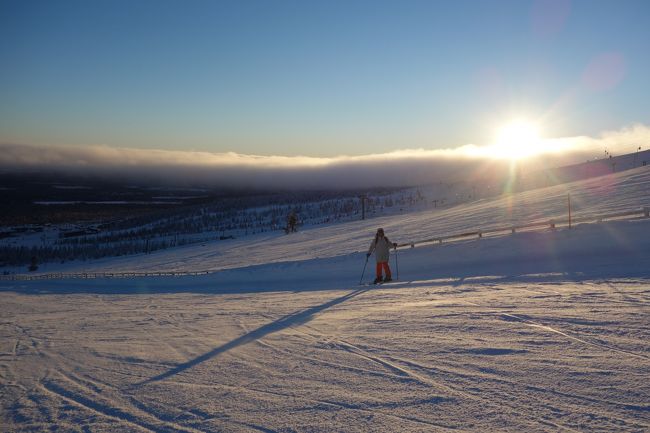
[(644, 212), (92, 275), (553, 223)]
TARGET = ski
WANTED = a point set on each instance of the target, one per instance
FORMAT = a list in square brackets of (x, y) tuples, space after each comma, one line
[(380, 283)]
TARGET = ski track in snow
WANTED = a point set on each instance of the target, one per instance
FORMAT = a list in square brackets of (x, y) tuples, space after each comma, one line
[(572, 337), (286, 351), (400, 370)]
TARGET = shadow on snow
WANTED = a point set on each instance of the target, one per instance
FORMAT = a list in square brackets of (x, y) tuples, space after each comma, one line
[(287, 321)]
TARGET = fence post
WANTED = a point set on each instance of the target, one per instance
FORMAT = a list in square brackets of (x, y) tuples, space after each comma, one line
[(646, 211), (569, 200), (552, 224)]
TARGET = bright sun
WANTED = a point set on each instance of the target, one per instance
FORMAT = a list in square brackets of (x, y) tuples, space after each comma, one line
[(516, 140)]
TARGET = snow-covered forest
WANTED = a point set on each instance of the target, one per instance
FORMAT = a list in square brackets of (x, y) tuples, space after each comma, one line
[(223, 219)]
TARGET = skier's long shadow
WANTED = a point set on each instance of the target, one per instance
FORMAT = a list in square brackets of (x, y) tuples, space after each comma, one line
[(297, 318)]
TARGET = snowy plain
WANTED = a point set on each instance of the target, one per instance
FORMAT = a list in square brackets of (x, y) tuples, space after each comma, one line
[(544, 330)]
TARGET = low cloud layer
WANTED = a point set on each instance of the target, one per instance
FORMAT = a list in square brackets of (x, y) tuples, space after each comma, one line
[(233, 170)]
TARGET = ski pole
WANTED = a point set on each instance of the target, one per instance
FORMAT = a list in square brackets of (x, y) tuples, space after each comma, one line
[(396, 265), (364, 269)]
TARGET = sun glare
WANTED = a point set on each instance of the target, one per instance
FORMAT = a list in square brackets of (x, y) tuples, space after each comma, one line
[(516, 140)]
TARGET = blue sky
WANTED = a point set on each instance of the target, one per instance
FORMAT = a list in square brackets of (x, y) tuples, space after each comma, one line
[(317, 78)]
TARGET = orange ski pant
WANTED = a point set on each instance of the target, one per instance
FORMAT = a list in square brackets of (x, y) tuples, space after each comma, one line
[(386, 268)]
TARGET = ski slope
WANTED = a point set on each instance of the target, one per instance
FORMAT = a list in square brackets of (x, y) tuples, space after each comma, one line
[(533, 331), (620, 192)]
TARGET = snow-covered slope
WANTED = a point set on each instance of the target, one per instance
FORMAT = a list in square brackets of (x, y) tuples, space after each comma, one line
[(533, 331), (620, 192)]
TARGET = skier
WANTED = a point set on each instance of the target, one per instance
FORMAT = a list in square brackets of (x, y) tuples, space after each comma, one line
[(381, 246), (292, 222)]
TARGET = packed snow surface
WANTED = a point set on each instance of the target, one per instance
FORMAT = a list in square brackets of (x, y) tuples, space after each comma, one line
[(534, 331)]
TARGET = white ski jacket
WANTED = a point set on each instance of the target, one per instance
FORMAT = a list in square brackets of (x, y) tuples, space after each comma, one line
[(381, 247)]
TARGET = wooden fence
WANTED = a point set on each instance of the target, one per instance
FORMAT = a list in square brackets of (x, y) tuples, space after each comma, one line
[(553, 223), (92, 275)]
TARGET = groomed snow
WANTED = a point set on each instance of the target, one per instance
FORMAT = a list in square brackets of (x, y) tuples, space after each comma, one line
[(536, 331)]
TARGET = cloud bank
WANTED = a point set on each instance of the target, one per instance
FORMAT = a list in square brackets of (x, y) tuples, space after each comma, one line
[(232, 170)]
